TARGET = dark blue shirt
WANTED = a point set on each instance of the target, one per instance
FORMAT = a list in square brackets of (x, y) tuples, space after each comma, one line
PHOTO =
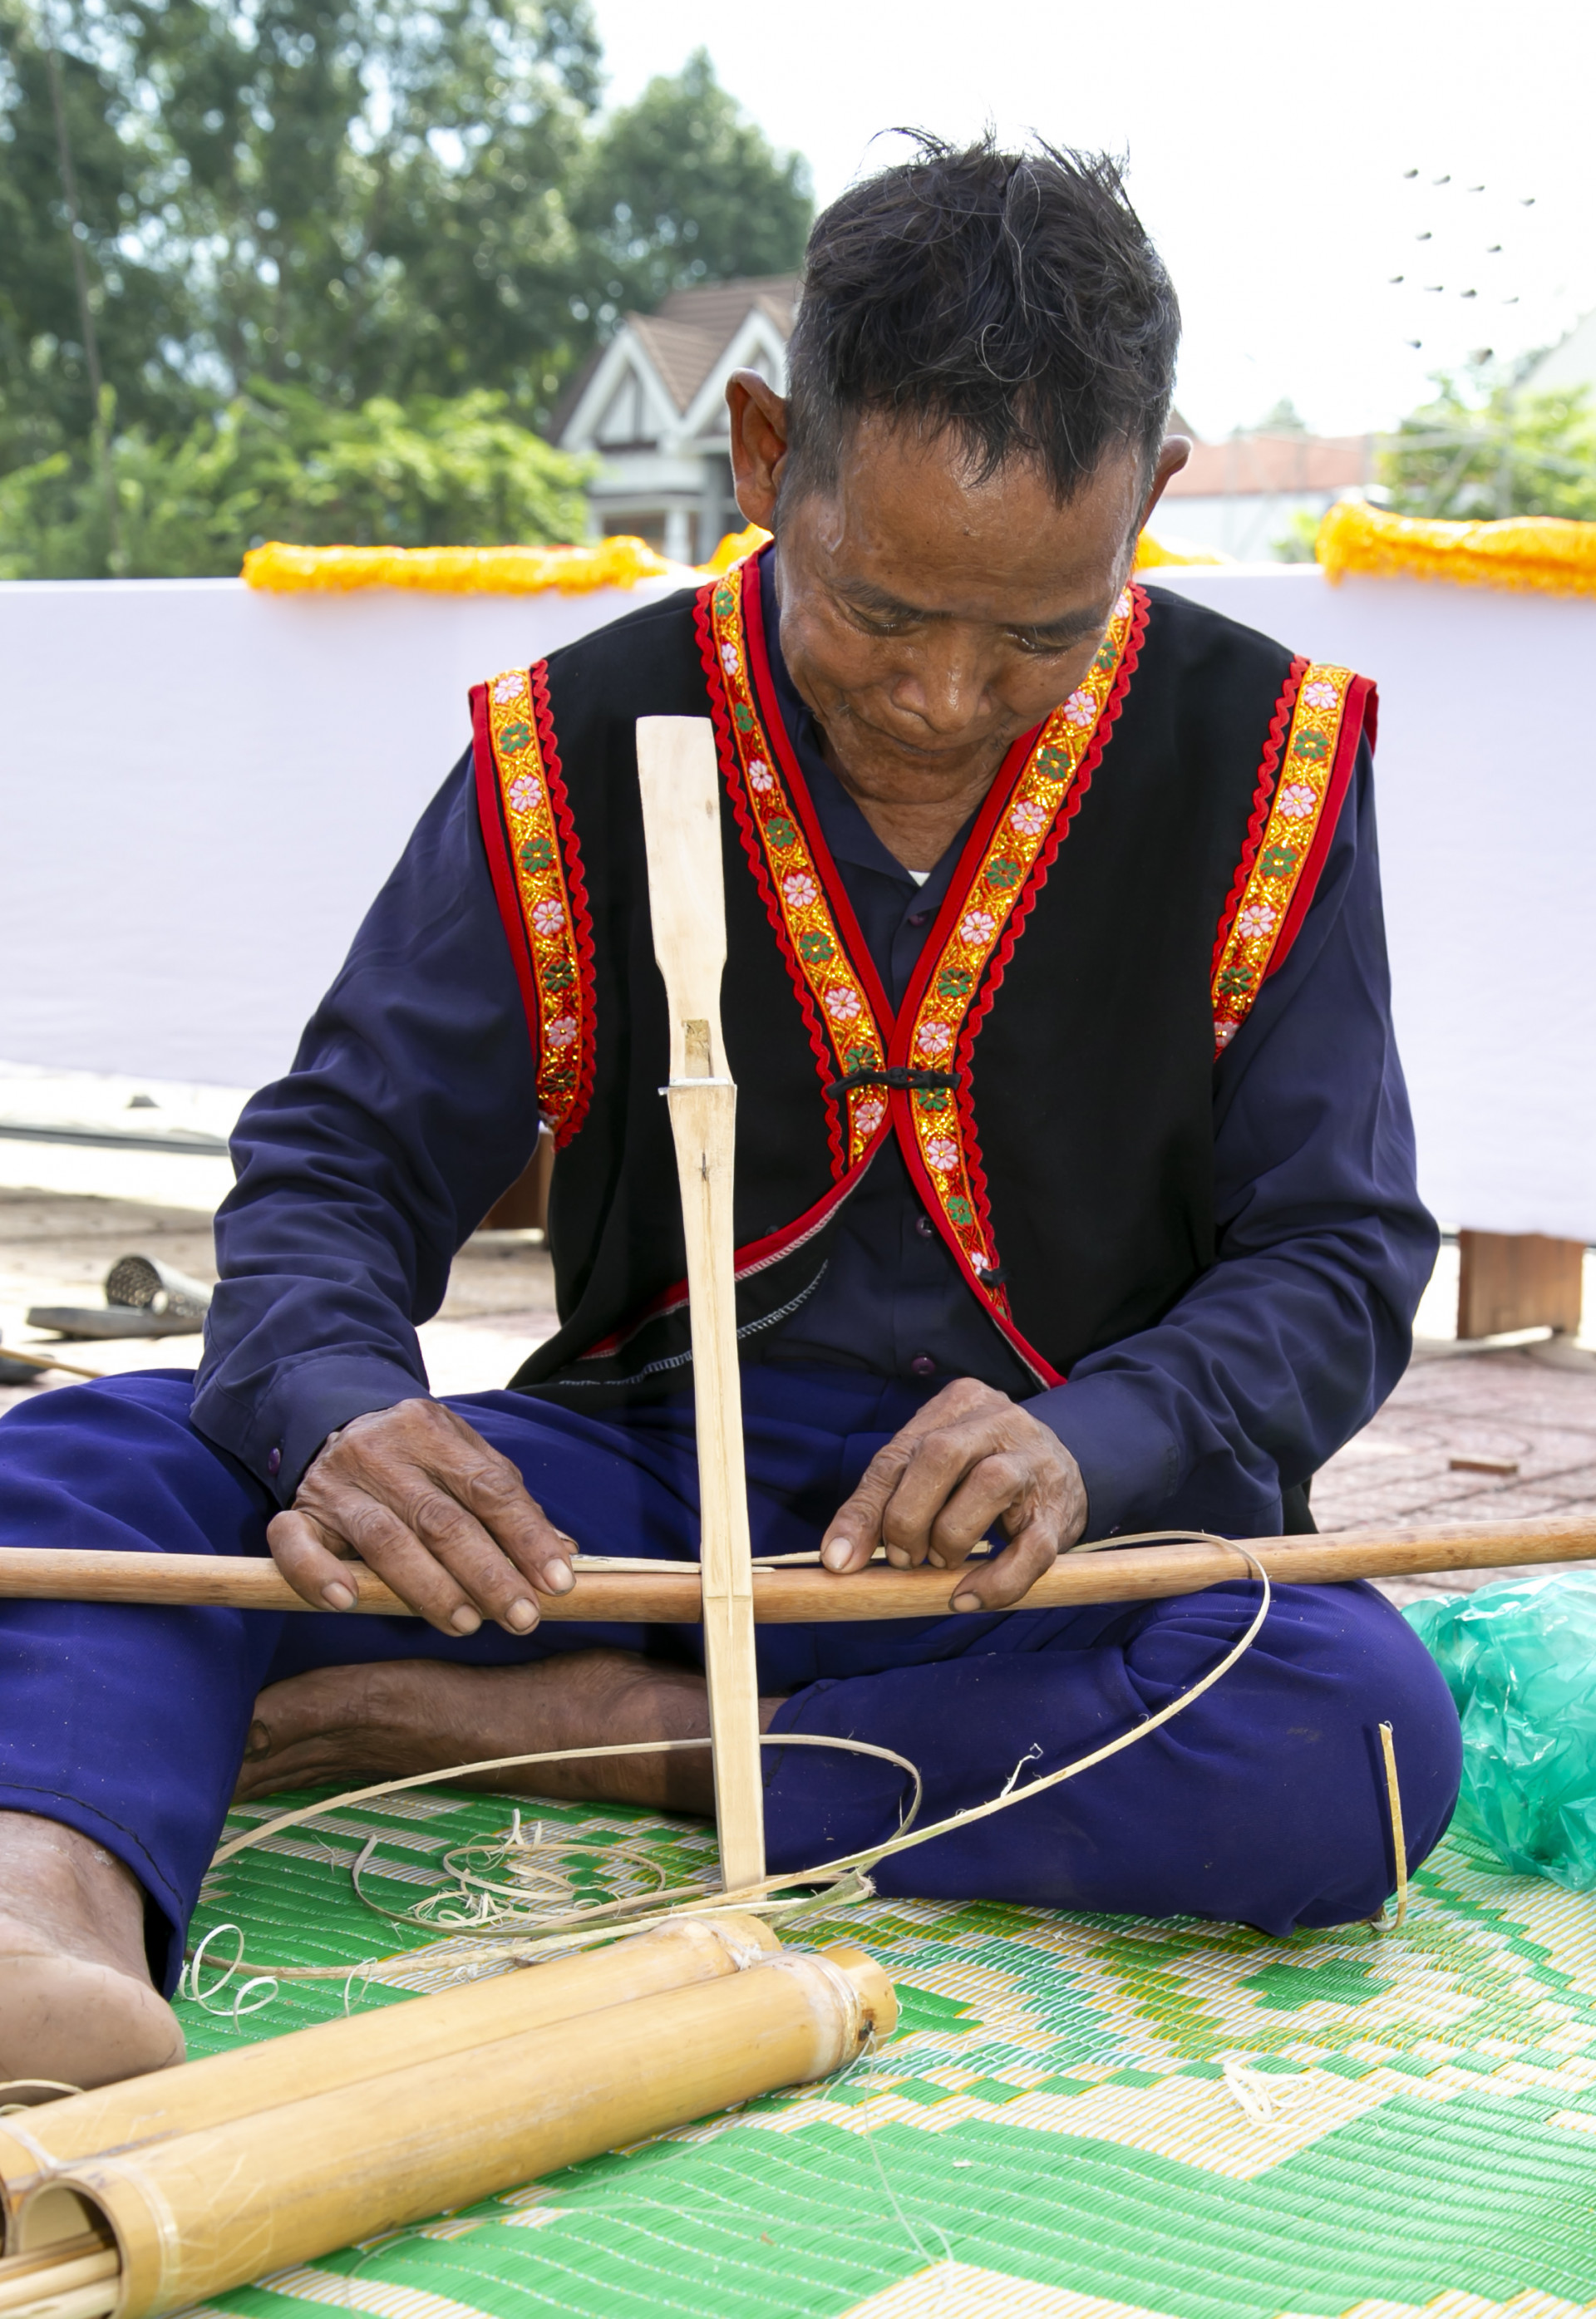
[(412, 1103)]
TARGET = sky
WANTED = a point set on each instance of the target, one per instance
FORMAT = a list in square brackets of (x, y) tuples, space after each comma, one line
[(1286, 158)]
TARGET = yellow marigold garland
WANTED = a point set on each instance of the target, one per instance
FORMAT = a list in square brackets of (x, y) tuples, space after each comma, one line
[(617, 563), (1152, 554), (733, 548), (621, 561), (1541, 552)]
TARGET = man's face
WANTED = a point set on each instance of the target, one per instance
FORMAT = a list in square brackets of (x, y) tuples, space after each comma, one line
[(929, 620)]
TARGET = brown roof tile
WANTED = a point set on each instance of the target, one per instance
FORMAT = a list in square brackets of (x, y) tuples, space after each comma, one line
[(1257, 464), (693, 328)]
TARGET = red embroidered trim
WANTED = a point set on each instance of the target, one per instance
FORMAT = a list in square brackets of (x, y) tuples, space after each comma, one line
[(801, 882), (1259, 917), (577, 886), (1014, 829), (1267, 767), (490, 813), (774, 728), (543, 862), (730, 773), (1362, 710), (988, 991)]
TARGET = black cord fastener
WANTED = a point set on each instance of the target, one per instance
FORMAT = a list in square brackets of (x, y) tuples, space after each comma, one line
[(897, 1076)]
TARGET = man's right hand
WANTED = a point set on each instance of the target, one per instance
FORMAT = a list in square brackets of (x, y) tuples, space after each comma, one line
[(418, 1495)]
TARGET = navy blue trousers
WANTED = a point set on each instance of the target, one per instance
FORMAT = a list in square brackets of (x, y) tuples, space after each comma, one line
[(1263, 1802)]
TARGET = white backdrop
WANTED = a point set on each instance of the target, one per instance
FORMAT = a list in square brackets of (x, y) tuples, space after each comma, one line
[(1487, 781), (201, 791), (201, 788)]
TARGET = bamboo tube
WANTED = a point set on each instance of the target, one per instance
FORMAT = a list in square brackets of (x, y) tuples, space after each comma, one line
[(799, 1596), (368, 2045), (680, 784), (203, 2213)]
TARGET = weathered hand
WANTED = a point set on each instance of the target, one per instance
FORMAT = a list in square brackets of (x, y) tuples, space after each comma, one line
[(446, 1521), (969, 1458)]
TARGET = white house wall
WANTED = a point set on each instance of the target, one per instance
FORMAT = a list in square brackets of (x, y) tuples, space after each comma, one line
[(624, 355)]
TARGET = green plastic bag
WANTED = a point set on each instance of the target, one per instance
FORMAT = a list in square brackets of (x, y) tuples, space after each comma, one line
[(1519, 1659)]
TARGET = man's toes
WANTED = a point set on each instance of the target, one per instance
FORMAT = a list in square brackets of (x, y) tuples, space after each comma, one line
[(81, 2024)]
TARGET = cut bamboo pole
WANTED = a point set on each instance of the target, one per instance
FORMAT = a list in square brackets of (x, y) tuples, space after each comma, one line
[(785, 1597), (679, 782), (203, 2213), (368, 2045)]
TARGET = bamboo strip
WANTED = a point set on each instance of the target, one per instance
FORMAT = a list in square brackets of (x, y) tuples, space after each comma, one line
[(92, 2302), (206, 2212), (787, 1596), (24, 2266), (680, 785), (29, 2281), (366, 2046)]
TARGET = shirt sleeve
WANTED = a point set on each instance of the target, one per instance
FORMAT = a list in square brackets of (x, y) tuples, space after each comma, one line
[(1294, 1336), (411, 1104)]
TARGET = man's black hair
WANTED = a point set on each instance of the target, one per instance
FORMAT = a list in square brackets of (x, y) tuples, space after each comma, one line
[(1013, 300)]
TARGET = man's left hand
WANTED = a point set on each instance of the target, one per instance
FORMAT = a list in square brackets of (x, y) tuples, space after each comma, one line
[(972, 1457)]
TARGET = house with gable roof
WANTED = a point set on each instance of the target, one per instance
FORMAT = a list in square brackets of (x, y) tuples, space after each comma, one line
[(651, 405)]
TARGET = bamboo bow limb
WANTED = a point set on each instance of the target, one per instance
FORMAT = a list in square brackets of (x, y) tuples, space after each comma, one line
[(679, 779), (784, 1597)]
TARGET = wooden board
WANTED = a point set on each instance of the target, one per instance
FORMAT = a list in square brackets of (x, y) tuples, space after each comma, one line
[(1518, 1280)]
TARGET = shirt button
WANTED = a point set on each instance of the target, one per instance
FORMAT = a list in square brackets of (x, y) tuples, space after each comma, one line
[(918, 917), (923, 1365), (274, 1462), (923, 1226)]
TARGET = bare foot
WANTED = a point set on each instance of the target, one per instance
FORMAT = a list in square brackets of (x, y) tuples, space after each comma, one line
[(359, 1723), (77, 2004)]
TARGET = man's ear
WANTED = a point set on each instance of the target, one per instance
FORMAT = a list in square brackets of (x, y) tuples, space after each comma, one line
[(1172, 458), (759, 444)]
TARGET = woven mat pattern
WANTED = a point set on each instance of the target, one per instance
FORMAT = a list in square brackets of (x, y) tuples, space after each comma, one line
[(1080, 2118)]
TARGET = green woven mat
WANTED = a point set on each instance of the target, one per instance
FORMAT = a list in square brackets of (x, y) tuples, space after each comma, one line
[(1053, 2134)]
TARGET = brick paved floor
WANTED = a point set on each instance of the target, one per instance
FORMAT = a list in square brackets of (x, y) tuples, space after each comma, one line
[(1505, 1404)]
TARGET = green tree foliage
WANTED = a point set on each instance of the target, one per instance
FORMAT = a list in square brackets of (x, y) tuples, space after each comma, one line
[(279, 465), (141, 311), (1488, 449), (334, 225), (681, 188), (369, 200)]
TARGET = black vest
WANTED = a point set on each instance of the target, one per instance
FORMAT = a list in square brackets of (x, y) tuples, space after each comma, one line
[(1141, 863)]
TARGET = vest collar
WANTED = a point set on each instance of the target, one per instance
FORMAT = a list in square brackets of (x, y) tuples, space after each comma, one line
[(905, 1072)]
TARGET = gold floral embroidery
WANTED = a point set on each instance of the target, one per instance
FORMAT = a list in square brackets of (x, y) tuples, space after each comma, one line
[(1034, 804), (564, 1007), (1305, 769), (856, 1039)]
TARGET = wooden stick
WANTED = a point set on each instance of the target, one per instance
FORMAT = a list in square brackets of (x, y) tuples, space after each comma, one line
[(679, 782), (202, 2213), (783, 1597), (366, 2046), (45, 1361)]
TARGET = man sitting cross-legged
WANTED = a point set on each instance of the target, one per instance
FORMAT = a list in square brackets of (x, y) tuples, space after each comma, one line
[(1075, 1193)]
